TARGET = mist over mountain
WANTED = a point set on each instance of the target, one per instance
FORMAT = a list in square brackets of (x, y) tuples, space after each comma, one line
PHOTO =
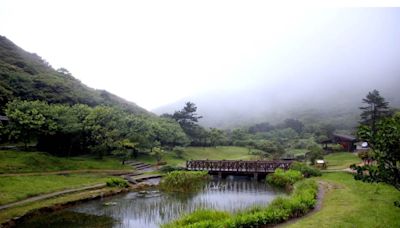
[(332, 101), (320, 73)]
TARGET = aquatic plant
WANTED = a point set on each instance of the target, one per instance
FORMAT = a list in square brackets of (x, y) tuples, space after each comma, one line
[(114, 182), (183, 181), (283, 178)]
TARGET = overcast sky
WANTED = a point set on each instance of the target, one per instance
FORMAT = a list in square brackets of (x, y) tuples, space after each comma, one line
[(156, 52)]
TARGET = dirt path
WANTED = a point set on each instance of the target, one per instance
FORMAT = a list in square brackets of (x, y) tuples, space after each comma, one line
[(51, 195), (322, 189), (105, 171)]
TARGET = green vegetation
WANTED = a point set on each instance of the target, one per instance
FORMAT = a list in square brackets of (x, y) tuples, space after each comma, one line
[(17, 211), (27, 76), (342, 160), (375, 109), (282, 178), (70, 219), (183, 181), (117, 182), (74, 130), (306, 170), (200, 153), (350, 203), (169, 168), (302, 199), (200, 218), (384, 141), (14, 188), (23, 162), (298, 203)]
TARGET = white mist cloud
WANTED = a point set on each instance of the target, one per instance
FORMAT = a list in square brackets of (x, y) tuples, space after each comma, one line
[(157, 52)]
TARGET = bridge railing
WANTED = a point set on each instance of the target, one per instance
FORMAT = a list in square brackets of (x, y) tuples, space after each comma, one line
[(237, 166)]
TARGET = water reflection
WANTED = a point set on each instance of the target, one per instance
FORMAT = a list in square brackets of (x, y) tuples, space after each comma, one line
[(151, 208)]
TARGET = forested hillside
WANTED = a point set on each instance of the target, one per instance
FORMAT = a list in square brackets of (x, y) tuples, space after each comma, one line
[(27, 76)]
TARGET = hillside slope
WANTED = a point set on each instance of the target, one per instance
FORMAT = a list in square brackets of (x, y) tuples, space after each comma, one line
[(27, 76)]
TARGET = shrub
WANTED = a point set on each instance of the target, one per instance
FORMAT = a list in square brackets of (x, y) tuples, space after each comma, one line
[(114, 182), (283, 178), (200, 218), (306, 170), (183, 181), (169, 168)]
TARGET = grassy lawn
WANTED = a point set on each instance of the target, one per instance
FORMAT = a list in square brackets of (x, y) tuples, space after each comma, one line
[(22, 162), (350, 203), (20, 210), (341, 160), (296, 152), (197, 153), (16, 188)]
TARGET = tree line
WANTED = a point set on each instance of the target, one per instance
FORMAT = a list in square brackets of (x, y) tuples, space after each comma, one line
[(65, 130)]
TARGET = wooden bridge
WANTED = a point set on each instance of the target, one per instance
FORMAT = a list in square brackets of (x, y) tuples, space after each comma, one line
[(226, 167)]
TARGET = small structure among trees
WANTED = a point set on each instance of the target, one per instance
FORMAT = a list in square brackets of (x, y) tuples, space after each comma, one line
[(348, 142)]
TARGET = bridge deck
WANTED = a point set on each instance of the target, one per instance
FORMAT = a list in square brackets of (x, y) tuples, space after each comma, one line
[(232, 166)]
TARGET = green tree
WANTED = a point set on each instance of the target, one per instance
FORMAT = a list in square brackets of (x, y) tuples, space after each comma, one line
[(158, 153), (178, 150), (217, 137), (103, 126), (375, 108), (125, 150), (188, 118), (26, 120), (385, 145), (315, 152), (270, 149)]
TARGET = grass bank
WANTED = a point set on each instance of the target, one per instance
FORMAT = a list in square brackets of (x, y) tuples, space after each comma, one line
[(302, 199), (17, 188), (197, 153), (24, 162), (55, 203), (341, 160), (351, 203)]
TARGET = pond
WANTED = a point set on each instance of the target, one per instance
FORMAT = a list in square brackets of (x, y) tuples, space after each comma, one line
[(151, 208)]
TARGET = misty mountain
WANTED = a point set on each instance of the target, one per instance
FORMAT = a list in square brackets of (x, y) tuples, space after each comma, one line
[(327, 102), (319, 71), (27, 76)]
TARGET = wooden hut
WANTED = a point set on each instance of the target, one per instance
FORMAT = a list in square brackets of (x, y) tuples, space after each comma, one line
[(347, 141)]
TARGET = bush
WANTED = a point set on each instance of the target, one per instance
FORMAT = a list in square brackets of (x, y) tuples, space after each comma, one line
[(200, 218), (183, 181), (306, 170), (114, 182), (169, 168), (283, 178)]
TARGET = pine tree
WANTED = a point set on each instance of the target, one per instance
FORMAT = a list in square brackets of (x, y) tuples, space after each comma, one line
[(375, 109)]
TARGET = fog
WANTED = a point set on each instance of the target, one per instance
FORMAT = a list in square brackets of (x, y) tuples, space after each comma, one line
[(240, 62), (325, 71)]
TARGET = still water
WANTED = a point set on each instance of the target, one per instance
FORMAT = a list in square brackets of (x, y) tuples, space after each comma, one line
[(151, 208)]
